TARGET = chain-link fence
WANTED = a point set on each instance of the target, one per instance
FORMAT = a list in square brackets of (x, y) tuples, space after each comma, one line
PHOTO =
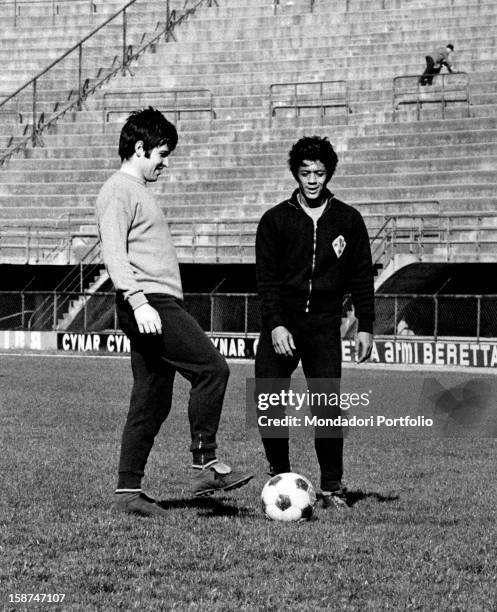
[(76, 311), (45, 311), (471, 316)]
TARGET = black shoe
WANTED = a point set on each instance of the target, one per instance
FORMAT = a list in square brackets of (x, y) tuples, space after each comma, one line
[(217, 476), (336, 500), (274, 471), (137, 503)]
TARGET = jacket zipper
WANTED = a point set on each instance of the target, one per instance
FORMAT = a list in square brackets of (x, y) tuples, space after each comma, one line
[(315, 223)]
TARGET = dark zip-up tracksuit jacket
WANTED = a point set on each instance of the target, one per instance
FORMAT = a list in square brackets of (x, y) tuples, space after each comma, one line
[(306, 268)]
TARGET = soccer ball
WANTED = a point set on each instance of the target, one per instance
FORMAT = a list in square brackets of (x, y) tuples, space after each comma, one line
[(288, 497)]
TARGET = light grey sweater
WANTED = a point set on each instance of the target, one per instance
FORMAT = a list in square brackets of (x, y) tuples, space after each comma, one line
[(136, 243), (441, 55)]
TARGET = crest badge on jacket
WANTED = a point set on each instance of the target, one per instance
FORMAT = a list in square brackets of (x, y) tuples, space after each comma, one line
[(339, 245)]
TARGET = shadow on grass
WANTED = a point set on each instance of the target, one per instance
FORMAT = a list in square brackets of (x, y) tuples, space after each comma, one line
[(208, 506), (352, 497)]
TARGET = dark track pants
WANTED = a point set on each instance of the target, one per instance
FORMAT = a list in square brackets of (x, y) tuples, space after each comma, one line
[(430, 71), (318, 343), (182, 347)]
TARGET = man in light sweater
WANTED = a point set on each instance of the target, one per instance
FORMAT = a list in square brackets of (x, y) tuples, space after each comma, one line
[(434, 62), (141, 260)]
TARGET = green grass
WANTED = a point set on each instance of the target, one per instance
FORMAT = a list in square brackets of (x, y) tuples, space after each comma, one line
[(420, 535)]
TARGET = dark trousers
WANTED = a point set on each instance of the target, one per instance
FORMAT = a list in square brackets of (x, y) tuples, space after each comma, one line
[(182, 347), (430, 71), (318, 345)]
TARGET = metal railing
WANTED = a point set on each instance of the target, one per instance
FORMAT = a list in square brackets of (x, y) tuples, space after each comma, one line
[(217, 240), (34, 243), (199, 239), (397, 315), (53, 4), (448, 88), (51, 241), (61, 241), (427, 236), (11, 113), (22, 310), (196, 238), (444, 237), (318, 95), (175, 101), (55, 304), (278, 3), (383, 237), (87, 78)]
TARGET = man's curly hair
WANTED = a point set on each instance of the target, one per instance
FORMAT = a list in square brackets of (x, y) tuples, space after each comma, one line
[(313, 148)]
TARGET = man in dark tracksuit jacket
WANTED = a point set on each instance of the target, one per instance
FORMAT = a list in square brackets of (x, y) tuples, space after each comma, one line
[(310, 251)]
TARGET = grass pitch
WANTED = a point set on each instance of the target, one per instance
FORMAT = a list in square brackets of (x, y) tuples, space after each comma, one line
[(420, 535)]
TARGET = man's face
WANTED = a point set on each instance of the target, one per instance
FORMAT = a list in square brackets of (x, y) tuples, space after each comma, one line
[(312, 179), (153, 164)]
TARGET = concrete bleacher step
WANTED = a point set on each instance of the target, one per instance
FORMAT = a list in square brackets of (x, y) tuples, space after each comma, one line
[(264, 194), (252, 182), (32, 216), (382, 31), (265, 139), (216, 156), (250, 167), (69, 34), (357, 41), (267, 49), (267, 70), (360, 5), (353, 9), (32, 13), (345, 43), (244, 18), (368, 208), (91, 123), (408, 155)]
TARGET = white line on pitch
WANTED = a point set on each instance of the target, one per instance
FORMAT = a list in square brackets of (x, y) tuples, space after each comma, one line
[(396, 367)]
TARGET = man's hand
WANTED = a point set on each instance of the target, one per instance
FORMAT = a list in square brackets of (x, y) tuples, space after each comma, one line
[(363, 346), (282, 341), (148, 320)]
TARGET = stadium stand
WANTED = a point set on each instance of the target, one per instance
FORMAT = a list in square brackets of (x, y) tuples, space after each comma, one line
[(37, 32), (63, 51), (422, 172)]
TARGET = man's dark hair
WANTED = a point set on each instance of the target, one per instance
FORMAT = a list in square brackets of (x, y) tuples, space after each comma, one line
[(450, 46), (151, 127), (313, 148)]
